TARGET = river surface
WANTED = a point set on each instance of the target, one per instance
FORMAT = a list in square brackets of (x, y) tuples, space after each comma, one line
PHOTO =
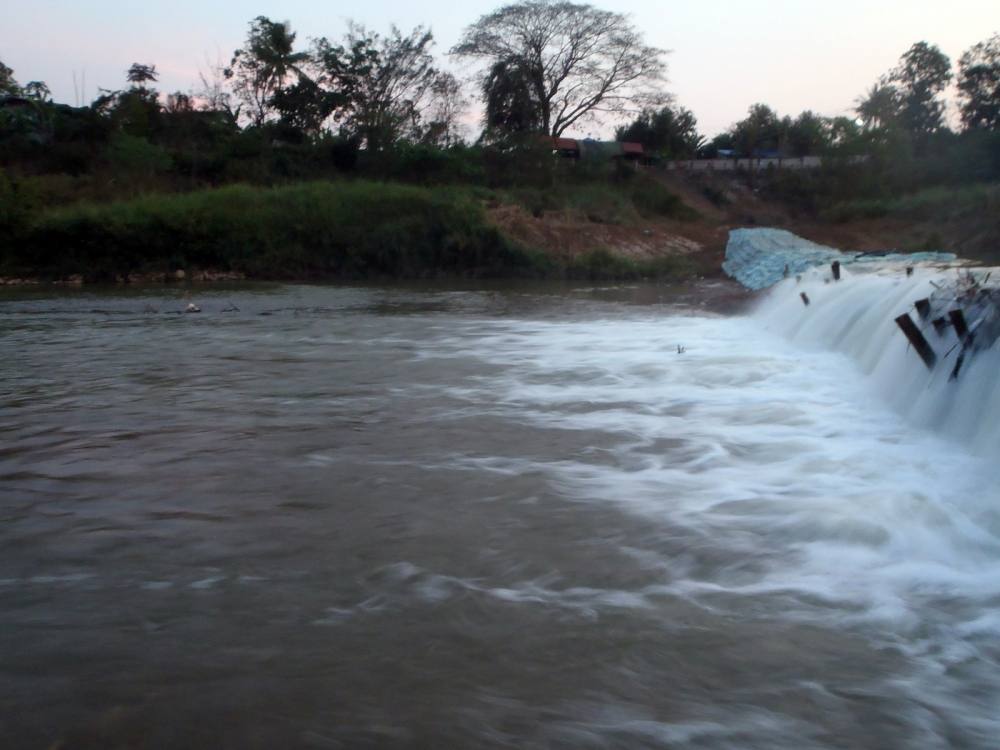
[(552, 517)]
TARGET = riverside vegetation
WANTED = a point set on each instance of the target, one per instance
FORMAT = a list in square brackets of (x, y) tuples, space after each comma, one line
[(346, 160)]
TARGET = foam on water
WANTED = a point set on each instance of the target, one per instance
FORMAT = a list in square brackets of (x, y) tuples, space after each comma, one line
[(817, 470), (856, 317)]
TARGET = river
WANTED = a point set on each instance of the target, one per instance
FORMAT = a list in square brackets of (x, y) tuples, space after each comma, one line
[(497, 517)]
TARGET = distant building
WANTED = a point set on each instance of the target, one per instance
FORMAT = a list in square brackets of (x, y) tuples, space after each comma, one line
[(589, 148)]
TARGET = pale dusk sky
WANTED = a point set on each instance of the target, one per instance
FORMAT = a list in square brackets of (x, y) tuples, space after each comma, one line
[(724, 54)]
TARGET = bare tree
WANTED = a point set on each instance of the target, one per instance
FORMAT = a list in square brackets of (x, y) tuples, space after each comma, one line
[(444, 114), (586, 62), (213, 94)]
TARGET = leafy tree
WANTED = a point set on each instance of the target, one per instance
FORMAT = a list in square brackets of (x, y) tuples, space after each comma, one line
[(807, 135), (670, 131), (844, 134), (513, 106), (389, 102), (979, 85), (303, 107), (136, 110), (759, 131), (580, 61), (879, 107), (38, 91), (139, 75), (263, 66), (338, 72), (7, 83), (922, 75)]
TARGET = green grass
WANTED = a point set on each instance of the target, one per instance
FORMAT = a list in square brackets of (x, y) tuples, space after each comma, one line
[(309, 230), (315, 230), (939, 203), (603, 264)]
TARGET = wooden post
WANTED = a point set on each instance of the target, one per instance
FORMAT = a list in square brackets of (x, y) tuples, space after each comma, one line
[(805, 298), (940, 326), (916, 338), (958, 320), (835, 267), (923, 308)]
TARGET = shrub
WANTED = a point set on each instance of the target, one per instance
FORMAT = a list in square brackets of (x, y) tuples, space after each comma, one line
[(325, 229)]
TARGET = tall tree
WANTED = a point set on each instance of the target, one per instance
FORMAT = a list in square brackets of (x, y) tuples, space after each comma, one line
[(922, 75), (979, 85), (511, 94), (7, 83), (37, 90), (136, 110), (443, 115), (879, 107), (339, 70), (844, 134), (139, 75), (670, 131), (759, 131), (263, 66), (390, 97), (807, 135), (582, 61)]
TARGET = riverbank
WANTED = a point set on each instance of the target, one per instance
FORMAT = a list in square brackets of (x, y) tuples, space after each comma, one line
[(647, 225), (351, 230)]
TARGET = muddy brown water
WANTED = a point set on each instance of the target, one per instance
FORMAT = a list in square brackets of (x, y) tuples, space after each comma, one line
[(320, 516)]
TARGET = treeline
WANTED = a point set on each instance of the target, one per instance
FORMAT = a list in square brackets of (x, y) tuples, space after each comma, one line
[(371, 105), (363, 100), (367, 93), (902, 114)]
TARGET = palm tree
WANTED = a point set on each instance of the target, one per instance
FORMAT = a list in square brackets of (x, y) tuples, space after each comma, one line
[(263, 67), (879, 107)]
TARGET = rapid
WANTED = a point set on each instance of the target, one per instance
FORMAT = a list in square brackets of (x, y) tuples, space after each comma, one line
[(548, 517)]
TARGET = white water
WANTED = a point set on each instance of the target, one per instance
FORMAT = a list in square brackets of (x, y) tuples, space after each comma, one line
[(856, 317), (824, 475)]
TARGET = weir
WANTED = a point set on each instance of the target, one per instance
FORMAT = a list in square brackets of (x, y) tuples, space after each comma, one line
[(925, 334)]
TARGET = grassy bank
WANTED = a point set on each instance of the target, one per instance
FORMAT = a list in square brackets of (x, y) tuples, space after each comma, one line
[(941, 203), (334, 229)]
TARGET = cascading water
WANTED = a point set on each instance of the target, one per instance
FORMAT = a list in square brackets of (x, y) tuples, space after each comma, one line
[(856, 316)]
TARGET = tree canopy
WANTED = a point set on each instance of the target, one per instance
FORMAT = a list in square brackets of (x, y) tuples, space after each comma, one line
[(579, 62), (908, 97), (7, 83), (511, 96), (670, 131), (389, 102), (922, 74), (979, 85), (261, 68)]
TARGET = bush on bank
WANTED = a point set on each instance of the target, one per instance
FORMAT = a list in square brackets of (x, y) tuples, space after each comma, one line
[(315, 230)]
